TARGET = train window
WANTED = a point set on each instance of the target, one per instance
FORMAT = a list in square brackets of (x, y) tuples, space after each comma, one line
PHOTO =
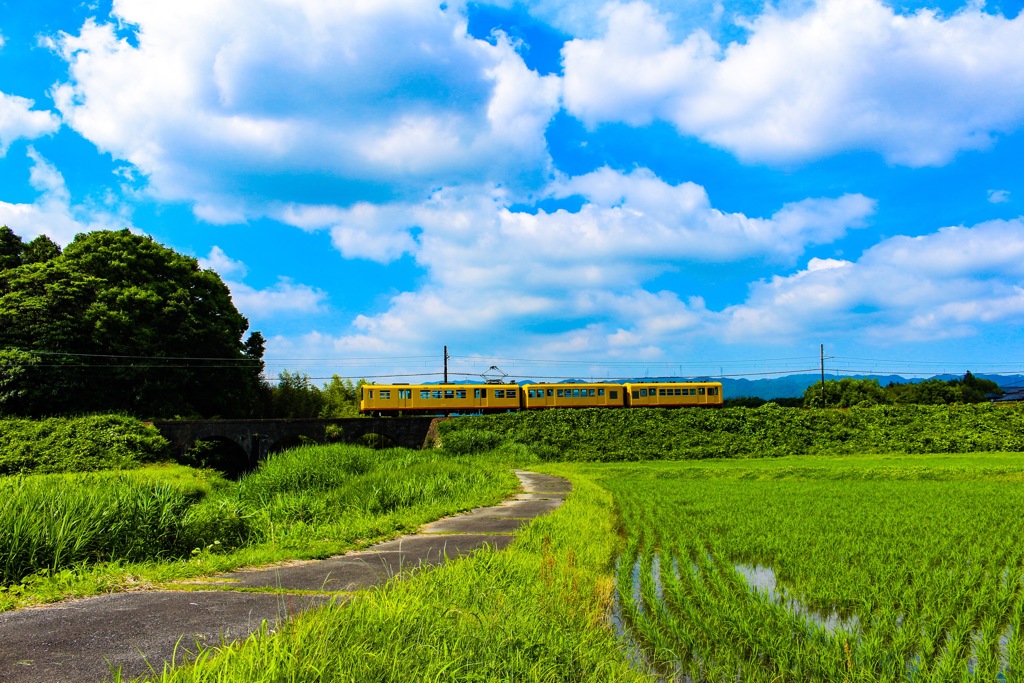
[(560, 393), (460, 393), (613, 394), (600, 392), (551, 392), (371, 393), (435, 394), (405, 393), (712, 391), (700, 391), (636, 394), (643, 392), (499, 393), (661, 392), (693, 392), (449, 393), (385, 393), (510, 393), (424, 393), (679, 391)]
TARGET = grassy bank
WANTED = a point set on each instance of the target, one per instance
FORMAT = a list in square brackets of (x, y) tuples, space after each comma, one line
[(536, 611), (76, 534), (77, 444), (769, 431)]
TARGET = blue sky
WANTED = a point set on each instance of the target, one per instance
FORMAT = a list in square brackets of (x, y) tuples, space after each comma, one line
[(557, 187)]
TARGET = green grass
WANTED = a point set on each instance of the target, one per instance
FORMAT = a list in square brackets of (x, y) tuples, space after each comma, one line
[(770, 431), (77, 534), (536, 611)]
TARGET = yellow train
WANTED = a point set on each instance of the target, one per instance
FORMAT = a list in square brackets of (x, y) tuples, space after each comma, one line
[(447, 399)]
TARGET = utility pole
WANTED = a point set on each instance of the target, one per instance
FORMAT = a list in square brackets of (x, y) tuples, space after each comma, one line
[(822, 375), (446, 365)]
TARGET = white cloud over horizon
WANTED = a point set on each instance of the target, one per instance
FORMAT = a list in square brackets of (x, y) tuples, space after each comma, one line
[(941, 285), (948, 284), (489, 267), (841, 75)]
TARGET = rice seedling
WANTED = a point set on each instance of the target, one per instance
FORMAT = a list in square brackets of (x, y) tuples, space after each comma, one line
[(895, 569)]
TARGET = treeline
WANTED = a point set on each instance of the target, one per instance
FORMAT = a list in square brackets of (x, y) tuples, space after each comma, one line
[(849, 392), (769, 431), (294, 396)]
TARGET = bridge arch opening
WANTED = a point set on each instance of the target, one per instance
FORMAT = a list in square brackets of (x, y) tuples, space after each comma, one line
[(375, 441), (220, 453), (288, 442)]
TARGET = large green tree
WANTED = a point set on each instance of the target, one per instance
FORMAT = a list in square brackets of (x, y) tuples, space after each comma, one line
[(120, 322)]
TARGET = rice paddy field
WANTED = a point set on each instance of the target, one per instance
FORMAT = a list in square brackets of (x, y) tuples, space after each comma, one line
[(903, 568)]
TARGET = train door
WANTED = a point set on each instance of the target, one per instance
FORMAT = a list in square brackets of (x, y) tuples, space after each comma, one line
[(404, 399), (480, 398)]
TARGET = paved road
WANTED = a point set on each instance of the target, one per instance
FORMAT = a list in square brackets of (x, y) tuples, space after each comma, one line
[(83, 641)]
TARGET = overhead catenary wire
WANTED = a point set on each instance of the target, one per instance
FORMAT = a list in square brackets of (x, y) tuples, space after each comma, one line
[(390, 367)]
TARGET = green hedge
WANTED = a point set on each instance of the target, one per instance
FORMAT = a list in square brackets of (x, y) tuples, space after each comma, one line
[(769, 431), (83, 444)]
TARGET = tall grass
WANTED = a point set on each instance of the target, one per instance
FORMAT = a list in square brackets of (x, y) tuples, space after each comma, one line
[(48, 522), (536, 611), (312, 501)]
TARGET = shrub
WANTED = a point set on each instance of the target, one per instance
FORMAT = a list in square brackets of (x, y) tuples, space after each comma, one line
[(470, 441), (83, 444)]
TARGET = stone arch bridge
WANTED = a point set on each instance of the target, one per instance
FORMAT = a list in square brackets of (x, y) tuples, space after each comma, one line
[(258, 438)]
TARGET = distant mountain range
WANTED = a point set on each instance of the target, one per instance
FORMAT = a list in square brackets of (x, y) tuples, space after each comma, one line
[(793, 386)]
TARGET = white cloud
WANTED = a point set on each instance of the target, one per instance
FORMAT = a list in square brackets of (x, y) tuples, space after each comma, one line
[(945, 284), (628, 224), (285, 298), (222, 264), (53, 213), (282, 299), (18, 120), (842, 75), (489, 269), (265, 100), (999, 196)]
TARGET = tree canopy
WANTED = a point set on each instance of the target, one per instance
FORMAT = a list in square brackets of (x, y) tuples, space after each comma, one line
[(119, 322), (849, 392)]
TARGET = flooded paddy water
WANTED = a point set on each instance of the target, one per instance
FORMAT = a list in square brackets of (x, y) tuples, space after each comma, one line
[(920, 579)]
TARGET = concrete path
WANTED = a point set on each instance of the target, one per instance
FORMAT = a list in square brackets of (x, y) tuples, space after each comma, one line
[(85, 640)]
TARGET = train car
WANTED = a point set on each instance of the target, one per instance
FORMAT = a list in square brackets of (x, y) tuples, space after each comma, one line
[(438, 399), (673, 394), (573, 395)]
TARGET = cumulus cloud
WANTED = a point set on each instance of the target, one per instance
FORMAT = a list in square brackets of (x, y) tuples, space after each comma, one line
[(18, 120), (842, 75), (222, 264), (945, 284), (272, 101), (53, 213), (284, 298), (999, 196), (489, 268)]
